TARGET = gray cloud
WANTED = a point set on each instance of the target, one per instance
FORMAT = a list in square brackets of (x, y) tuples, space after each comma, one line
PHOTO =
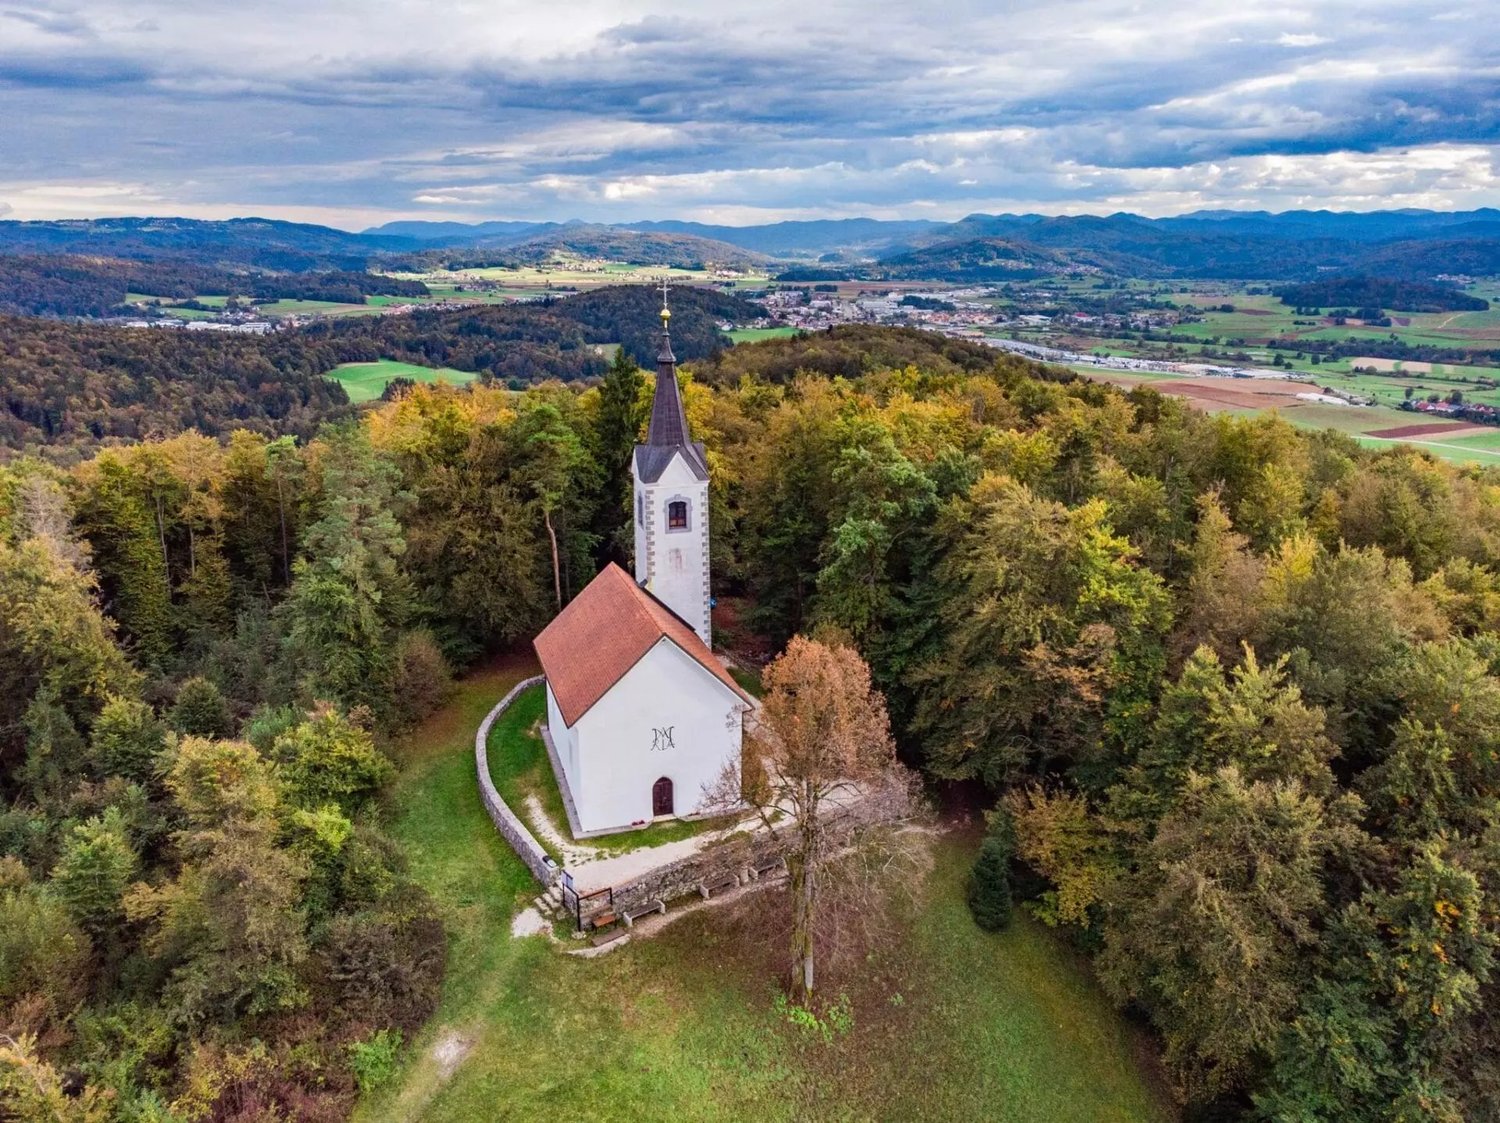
[(350, 112)]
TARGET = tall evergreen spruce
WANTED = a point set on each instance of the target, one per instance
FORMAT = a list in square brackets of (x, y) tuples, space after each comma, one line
[(989, 882), (349, 596), (617, 428)]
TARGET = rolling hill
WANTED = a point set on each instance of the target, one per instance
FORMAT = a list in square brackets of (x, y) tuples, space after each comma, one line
[(261, 242)]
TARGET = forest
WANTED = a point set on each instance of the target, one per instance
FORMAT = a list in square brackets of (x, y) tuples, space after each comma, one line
[(1229, 690), (1381, 293), (65, 285), (72, 385)]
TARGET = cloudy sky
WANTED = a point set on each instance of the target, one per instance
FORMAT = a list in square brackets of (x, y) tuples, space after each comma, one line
[(354, 112)]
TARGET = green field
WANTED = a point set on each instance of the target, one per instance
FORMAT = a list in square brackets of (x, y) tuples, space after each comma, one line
[(948, 1022), (364, 382), (755, 335), (315, 308), (1482, 448)]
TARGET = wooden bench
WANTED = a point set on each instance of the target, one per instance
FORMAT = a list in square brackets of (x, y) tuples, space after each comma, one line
[(602, 938), (708, 889), (769, 867), (630, 916), (600, 920)]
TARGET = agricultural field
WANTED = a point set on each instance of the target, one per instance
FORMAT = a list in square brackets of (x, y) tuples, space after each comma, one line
[(315, 308), (364, 382), (1461, 442), (562, 274), (1260, 317), (755, 335), (684, 1025)]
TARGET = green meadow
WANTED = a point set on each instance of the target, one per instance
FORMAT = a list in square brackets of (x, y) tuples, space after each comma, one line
[(364, 382), (946, 1022), (755, 335)]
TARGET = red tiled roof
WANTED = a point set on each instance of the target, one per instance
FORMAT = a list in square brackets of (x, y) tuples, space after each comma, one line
[(605, 631)]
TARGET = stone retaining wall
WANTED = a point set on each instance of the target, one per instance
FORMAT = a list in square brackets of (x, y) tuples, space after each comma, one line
[(515, 832), (741, 855)]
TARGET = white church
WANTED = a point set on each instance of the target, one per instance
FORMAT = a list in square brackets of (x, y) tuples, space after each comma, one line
[(642, 718)]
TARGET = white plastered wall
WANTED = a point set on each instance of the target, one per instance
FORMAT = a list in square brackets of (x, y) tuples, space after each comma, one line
[(621, 754), (564, 740), (673, 564)]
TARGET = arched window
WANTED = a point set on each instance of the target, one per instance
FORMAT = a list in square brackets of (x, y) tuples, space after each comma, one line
[(677, 515)]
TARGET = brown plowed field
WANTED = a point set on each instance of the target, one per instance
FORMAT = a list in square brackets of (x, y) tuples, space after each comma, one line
[(1430, 428), (1236, 393)]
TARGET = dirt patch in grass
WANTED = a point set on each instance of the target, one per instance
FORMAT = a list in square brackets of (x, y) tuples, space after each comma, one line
[(450, 1051)]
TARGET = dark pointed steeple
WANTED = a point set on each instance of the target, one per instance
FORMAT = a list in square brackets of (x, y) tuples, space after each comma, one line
[(667, 432)]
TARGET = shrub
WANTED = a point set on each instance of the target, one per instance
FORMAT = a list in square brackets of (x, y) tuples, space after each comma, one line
[(330, 759), (374, 1061), (387, 963), (422, 677)]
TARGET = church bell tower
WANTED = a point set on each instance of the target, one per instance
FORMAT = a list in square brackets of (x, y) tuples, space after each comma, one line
[(670, 473)]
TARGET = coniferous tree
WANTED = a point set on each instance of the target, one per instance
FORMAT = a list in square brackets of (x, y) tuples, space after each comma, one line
[(989, 893), (621, 413), (127, 739), (200, 710), (349, 597), (97, 865)]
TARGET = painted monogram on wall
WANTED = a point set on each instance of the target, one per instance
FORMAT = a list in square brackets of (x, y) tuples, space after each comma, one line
[(661, 739)]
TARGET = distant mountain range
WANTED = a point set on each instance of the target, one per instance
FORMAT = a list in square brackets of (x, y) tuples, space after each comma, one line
[(876, 239), (1406, 244)]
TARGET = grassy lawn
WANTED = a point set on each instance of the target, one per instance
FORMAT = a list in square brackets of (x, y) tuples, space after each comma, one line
[(948, 1022), (520, 768), (518, 760), (364, 382), (749, 681), (1453, 452)]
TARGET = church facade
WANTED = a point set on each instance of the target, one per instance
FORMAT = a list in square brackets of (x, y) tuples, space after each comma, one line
[(643, 719)]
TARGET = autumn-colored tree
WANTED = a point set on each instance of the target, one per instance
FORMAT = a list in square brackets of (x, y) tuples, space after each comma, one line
[(32, 1089), (1212, 933), (820, 738)]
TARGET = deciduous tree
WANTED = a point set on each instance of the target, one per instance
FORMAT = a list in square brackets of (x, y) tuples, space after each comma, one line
[(821, 736)]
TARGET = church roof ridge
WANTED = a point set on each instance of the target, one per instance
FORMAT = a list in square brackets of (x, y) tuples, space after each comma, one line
[(605, 631)]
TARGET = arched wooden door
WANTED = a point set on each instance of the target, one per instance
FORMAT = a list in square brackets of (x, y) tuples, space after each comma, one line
[(661, 797)]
